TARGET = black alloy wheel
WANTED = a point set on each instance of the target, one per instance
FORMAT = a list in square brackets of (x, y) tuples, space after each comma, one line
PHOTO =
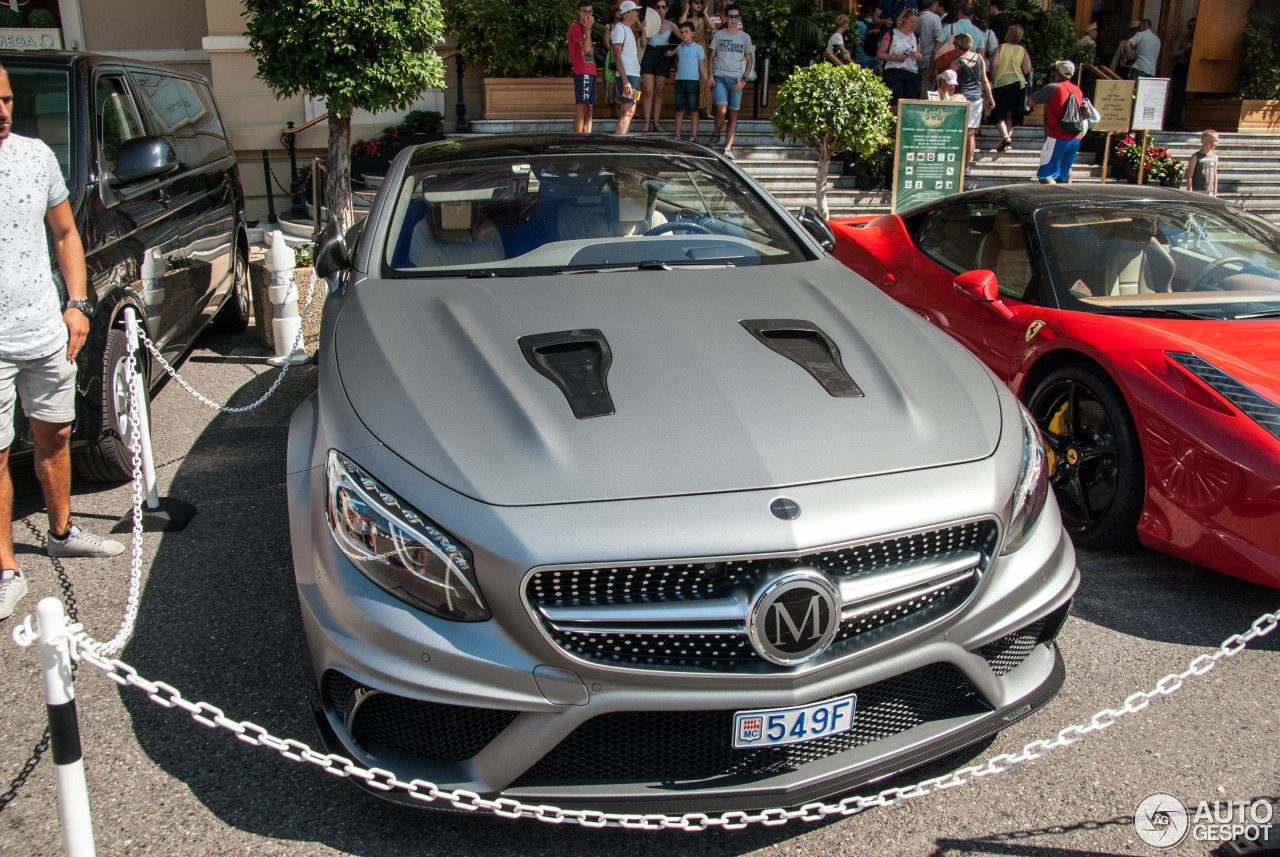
[(1095, 462), (234, 314)]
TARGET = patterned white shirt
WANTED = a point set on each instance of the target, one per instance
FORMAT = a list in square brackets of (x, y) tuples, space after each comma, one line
[(31, 325)]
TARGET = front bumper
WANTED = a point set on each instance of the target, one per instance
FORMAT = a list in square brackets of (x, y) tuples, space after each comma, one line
[(496, 707)]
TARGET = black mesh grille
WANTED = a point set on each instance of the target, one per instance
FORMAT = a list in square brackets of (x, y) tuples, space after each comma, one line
[(1008, 652), (448, 733), (644, 582), (694, 581), (694, 745)]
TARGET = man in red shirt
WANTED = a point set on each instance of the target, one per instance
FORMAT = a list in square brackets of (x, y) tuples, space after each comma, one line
[(1060, 146), (584, 69)]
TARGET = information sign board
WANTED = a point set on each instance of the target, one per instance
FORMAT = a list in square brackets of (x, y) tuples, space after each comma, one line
[(929, 152)]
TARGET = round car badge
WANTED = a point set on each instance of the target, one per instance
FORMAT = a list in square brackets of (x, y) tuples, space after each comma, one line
[(794, 617), (1072, 456), (785, 508)]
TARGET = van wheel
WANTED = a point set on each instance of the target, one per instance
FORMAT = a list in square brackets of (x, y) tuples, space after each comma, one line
[(110, 459), (235, 313)]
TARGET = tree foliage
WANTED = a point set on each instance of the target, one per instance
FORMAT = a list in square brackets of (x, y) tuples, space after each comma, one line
[(1050, 35), (351, 53), (1259, 71), (831, 109), (791, 29), (525, 39)]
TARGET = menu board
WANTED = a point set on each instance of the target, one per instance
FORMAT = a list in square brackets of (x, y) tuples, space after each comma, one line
[(1148, 107), (1114, 100), (929, 162)]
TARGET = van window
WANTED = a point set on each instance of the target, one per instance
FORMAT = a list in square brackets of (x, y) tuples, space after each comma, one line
[(183, 111), (117, 120), (42, 108)]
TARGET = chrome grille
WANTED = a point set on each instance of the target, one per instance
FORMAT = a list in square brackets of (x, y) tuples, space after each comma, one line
[(692, 615)]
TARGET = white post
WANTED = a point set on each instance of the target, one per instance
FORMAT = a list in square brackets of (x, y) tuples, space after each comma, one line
[(138, 394), (64, 732), (152, 275), (283, 294)]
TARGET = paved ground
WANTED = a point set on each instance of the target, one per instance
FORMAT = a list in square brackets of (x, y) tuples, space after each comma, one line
[(219, 620)]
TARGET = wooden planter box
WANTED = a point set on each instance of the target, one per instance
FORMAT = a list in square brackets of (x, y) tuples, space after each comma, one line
[(528, 97), (1245, 116)]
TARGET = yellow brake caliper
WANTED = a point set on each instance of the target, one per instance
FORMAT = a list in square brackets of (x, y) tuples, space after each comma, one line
[(1057, 426)]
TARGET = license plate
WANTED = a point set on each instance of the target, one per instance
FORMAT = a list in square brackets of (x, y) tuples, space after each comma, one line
[(774, 727)]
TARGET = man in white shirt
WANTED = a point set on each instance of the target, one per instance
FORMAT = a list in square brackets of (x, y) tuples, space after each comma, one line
[(931, 15), (39, 340), (1143, 47), (622, 41)]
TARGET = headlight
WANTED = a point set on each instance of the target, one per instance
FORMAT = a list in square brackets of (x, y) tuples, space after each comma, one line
[(397, 548), (1027, 501)]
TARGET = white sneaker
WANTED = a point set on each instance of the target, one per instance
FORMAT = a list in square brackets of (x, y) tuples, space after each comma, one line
[(12, 587), (78, 542)]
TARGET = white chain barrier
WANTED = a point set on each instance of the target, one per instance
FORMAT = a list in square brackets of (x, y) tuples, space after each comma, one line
[(83, 648)]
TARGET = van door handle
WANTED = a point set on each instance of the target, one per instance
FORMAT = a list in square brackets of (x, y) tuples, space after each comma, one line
[(165, 199)]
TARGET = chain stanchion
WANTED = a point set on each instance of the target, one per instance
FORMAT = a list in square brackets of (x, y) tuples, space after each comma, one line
[(64, 730), (161, 514), (283, 294), (83, 648)]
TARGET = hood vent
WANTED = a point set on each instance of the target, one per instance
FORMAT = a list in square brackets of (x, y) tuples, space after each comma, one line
[(803, 343), (576, 361)]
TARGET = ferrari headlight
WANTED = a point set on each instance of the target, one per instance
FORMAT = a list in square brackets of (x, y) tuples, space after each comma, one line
[(397, 548), (1027, 501)]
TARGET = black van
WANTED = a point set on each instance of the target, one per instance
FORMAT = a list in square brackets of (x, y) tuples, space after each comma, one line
[(156, 195)]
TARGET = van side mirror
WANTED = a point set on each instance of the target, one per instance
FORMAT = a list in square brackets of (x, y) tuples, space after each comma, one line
[(818, 228), (981, 288), (331, 257), (143, 158)]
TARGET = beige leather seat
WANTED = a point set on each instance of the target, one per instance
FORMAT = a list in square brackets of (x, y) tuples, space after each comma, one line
[(53, 129), (1004, 251), (627, 210), (1131, 267), (452, 234)]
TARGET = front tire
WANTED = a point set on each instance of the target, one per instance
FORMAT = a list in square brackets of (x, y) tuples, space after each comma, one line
[(109, 458), (234, 315), (1095, 461)]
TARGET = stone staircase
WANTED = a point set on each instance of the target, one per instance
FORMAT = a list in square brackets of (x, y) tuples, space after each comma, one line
[(1247, 171)]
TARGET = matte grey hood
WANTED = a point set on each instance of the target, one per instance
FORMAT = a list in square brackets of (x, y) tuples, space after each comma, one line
[(434, 368)]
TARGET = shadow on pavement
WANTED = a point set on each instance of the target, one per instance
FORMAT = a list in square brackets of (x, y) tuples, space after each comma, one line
[(219, 620)]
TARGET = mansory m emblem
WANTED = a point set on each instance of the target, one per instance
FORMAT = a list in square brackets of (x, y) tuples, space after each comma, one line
[(794, 617)]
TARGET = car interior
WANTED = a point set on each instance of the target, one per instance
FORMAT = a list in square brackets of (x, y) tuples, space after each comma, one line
[(563, 212), (41, 109)]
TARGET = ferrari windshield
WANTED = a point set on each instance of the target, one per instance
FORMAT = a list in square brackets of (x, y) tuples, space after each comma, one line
[(1166, 258), (564, 213)]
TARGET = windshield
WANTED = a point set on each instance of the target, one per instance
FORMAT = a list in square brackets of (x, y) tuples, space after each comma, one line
[(42, 108), (565, 213), (1166, 258)]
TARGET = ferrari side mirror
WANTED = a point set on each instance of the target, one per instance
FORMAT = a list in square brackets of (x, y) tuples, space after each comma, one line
[(981, 288)]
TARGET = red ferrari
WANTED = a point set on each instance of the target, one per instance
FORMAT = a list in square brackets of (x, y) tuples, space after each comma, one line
[(1141, 327)]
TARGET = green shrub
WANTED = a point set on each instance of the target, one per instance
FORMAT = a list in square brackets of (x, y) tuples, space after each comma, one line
[(1050, 35), (421, 122), (1258, 74), (42, 19), (790, 29), (830, 109), (525, 39), (9, 18)]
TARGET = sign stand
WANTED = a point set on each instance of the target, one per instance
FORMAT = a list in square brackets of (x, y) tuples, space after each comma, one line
[(928, 152), (1148, 112), (1142, 159), (1114, 100), (1106, 158)]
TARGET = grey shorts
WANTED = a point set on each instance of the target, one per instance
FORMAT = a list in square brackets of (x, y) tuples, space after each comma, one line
[(47, 387)]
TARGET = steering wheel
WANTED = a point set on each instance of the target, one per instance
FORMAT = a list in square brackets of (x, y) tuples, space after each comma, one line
[(673, 225), (1205, 275)]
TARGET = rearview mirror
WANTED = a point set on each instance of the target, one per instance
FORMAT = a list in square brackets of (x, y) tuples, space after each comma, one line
[(143, 158), (331, 257), (818, 228), (981, 288)]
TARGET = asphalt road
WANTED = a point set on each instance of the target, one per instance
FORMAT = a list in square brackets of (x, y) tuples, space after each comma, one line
[(219, 620)]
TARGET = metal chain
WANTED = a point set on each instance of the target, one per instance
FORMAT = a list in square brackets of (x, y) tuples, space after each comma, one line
[(284, 370), (81, 647), (37, 752)]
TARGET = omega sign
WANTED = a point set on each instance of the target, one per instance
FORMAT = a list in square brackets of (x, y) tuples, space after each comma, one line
[(27, 39), (794, 617)]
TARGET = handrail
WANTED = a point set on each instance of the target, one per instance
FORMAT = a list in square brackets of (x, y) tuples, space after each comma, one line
[(305, 125), (1103, 72)]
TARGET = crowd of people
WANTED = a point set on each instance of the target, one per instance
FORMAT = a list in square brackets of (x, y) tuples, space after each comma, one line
[(951, 51)]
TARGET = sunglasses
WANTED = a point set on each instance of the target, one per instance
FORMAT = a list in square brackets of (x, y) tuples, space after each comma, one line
[(732, 17)]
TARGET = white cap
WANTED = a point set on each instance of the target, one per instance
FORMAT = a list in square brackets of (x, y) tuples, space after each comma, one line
[(627, 6), (949, 77), (1066, 68)]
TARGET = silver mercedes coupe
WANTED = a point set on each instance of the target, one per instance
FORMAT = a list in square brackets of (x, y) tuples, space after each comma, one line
[(619, 492)]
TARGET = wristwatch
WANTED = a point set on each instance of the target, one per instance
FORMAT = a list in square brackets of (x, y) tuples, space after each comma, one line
[(83, 306)]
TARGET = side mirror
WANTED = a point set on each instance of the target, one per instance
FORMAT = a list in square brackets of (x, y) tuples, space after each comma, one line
[(818, 228), (981, 288), (143, 158), (330, 256)]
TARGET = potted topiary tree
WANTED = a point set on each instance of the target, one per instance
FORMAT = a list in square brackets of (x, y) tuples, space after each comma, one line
[(831, 109)]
